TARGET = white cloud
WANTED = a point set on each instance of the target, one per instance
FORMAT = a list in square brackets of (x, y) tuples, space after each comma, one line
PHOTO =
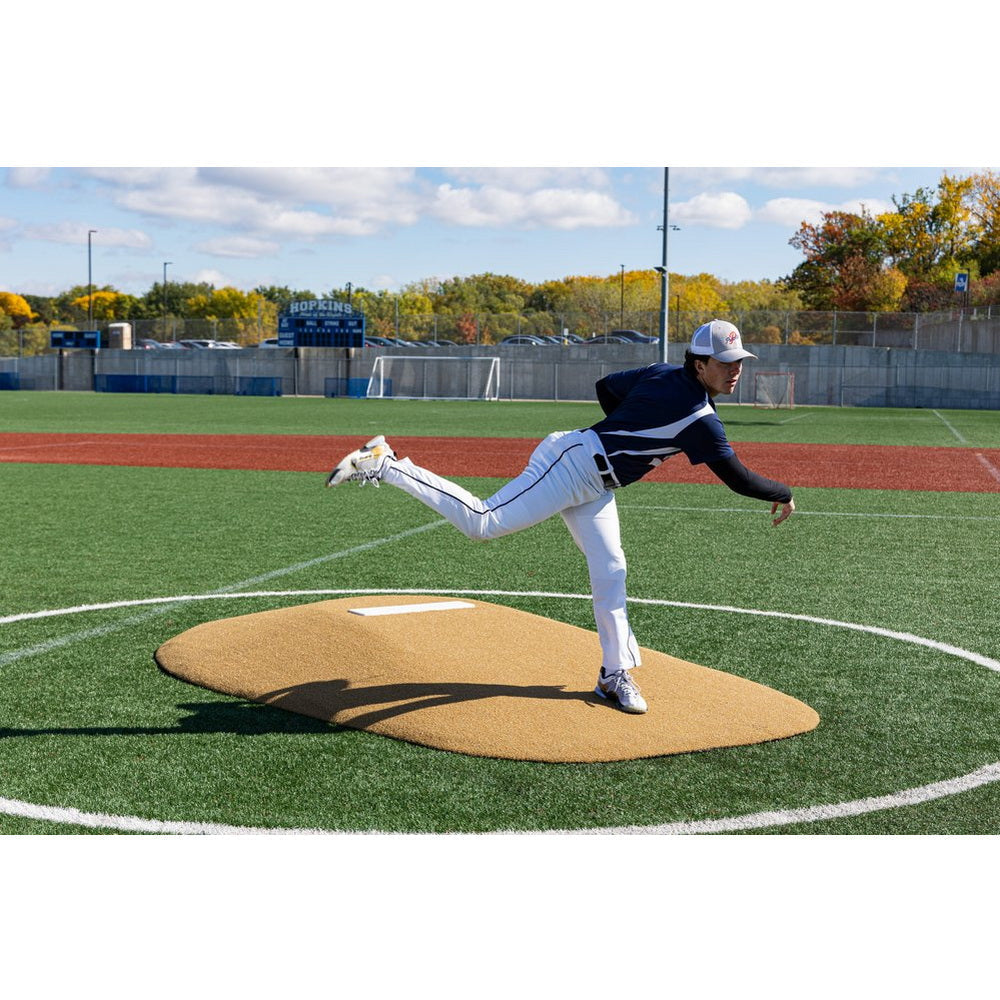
[(6, 223), (792, 212), (306, 203), (530, 178), (23, 177), (778, 177), (314, 202), (875, 206), (238, 246), (552, 208), (725, 210), (76, 233), (212, 277)]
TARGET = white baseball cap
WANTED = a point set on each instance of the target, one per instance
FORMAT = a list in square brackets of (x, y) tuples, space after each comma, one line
[(720, 340)]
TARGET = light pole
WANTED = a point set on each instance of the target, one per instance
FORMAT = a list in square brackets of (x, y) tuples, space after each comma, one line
[(165, 263), (662, 269), (621, 318), (90, 285)]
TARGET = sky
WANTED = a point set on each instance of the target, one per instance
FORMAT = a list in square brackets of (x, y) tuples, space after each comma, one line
[(320, 228), (380, 145)]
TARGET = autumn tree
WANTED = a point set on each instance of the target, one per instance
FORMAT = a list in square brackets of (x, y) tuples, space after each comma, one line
[(931, 233), (760, 296), (282, 296), (15, 307), (385, 312), (173, 299), (247, 312), (481, 293), (985, 212), (847, 258), (108, 305)]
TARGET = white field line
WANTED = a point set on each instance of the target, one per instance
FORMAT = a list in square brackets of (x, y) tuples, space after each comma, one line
[(949, 426), (912, 796), (989, 467), (815, 814), (167, 604), (788, 420), (765, 511)]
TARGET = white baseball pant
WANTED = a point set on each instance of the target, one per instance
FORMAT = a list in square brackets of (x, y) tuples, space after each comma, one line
[(561, 477)]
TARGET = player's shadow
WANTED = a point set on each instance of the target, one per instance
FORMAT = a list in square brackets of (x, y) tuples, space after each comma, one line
[(306, 706), (386, 701)]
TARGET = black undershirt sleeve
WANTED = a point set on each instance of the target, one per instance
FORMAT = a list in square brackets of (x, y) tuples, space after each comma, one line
[(607, 399), (741, 480)]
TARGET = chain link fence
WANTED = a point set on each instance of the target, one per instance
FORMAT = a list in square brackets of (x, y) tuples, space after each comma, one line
[(971, 330)]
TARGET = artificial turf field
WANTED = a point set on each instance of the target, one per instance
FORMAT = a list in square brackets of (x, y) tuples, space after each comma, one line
[(880, 613)]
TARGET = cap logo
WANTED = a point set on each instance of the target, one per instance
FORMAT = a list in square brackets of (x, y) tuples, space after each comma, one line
[(732, 337)]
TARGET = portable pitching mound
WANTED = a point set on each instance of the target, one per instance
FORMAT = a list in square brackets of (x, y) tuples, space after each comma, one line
[(474, 678)]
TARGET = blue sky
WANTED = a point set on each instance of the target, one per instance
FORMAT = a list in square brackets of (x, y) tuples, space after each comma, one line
[(318, 228)]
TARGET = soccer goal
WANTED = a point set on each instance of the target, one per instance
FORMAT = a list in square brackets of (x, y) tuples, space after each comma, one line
[(774, 390), (430, 377)]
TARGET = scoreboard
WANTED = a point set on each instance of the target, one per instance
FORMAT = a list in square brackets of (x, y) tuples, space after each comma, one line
[(76, 338), (321, 323)]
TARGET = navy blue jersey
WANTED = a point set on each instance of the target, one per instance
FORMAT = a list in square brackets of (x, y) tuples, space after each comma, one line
[(653, 413)]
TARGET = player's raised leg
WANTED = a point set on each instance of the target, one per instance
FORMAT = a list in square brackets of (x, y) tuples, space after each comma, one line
[(560, 472)]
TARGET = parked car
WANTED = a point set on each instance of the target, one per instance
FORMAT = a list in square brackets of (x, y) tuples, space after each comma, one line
[(270, 342), (146, 344), (634, 336), (555, 338), (441, 342), (522, 340), (197, 345), (608, 338), (226, 345)]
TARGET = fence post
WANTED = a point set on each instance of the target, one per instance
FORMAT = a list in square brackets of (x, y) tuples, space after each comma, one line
[(916, 328)]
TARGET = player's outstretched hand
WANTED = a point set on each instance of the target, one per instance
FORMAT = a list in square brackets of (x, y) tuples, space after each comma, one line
[(786, 511)]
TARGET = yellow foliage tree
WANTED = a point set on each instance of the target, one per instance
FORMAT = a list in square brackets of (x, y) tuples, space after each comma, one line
[(245, 314), (105, 304), (16, 308), (700, 293)]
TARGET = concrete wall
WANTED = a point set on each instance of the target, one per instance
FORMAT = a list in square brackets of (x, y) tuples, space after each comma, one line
[(824, 375)]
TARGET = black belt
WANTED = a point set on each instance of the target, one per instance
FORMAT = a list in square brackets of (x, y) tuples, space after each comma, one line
[(608, 477)]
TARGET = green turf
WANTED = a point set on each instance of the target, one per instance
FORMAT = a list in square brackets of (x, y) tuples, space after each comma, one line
[(168, 414), (88, 721)]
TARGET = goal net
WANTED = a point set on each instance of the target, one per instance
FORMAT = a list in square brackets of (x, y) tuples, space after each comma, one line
[(430, 377), (774, 389)]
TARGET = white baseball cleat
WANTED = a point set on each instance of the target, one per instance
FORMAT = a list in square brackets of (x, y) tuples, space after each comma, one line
[(365, 465), (620, 689)]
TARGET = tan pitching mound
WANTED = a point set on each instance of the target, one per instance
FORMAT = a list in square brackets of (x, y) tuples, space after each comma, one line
[(472, 677)]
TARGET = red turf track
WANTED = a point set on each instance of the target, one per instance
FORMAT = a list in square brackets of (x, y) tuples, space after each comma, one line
[(848, 466)]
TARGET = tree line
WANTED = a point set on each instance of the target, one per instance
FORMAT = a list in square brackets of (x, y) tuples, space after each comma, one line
[(903, 260), (476, 308)]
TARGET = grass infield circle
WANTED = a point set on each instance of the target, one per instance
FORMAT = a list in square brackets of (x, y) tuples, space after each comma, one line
[(984, 775)]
